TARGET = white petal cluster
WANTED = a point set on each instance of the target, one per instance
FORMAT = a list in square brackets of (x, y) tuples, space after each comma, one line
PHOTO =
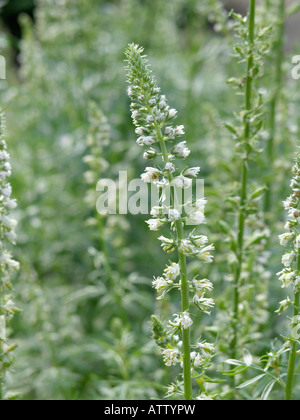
[(182, 320), (171, 356), (290, 275), (150, 175)]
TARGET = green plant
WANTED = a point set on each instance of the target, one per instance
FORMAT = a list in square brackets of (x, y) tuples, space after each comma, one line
[(7, 264), (153, 119)]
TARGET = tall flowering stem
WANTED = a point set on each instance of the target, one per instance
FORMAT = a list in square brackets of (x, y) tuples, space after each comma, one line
[(7, 265), (154, 121), (290, 275), (244, 172), (279, 56)]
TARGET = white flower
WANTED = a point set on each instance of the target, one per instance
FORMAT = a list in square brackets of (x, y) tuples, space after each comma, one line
[(6, 191), (204, 303), (146, 140), (8, 222), (174, 215), (196, 218), (287, 204), (186, 247), (199, 240), (205, 255), (156, 211), (286, 277), (207, 349), (285, 238), (172, 271), (150, 175), (181, 150), (288, 258), (183, 320), (200, 204), (10, 204), (179, 130), (150, 154), (161, 284), (168, 245), (171, 391), (192, 172), (198, 360), (139, 131), (155, 224), (135, 114), (150, 119), (203, 286), (11, 237), (170, 167), (172, 113), (170, 132), (182, 182), (171, 356), (284, 305)]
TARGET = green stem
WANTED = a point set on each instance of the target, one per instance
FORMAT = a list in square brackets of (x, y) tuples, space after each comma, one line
[(185, 300), (279, 48), (245, 174), (293, 352)]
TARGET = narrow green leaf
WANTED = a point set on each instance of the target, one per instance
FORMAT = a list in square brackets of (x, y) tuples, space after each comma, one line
[(252, 381)]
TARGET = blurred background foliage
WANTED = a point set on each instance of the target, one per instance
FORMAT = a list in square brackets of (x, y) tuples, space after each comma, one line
[(84, 331)]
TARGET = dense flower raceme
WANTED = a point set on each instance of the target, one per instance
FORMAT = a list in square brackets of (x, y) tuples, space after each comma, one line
[(154, 121), (290, 275), (7, 264)]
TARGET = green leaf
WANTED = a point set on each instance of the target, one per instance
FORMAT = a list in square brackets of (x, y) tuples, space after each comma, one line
[(267, 391), (231, 129), (257, 193), (293, 9), (252, 381)]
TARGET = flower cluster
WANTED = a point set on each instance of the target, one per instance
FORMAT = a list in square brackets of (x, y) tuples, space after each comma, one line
[(7, 264), (97, 139), (290, 274), (154, 122)]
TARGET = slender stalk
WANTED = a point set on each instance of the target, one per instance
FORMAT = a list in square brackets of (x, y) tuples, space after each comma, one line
[(185, 300), (293, 352), (245, 174), (279, 48)]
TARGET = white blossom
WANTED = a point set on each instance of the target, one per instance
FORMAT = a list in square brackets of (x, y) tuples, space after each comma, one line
[(155, 224), (171, 356), (150, 175), (200, 204), (172, 271), (285, 238), (196, 218), (146, 140), (192, 172), (205, 255), (202, 286), (172, 113), (180, 150), (174, 215), (288, 258), (170, 167), (204, 303), (182, 182)]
